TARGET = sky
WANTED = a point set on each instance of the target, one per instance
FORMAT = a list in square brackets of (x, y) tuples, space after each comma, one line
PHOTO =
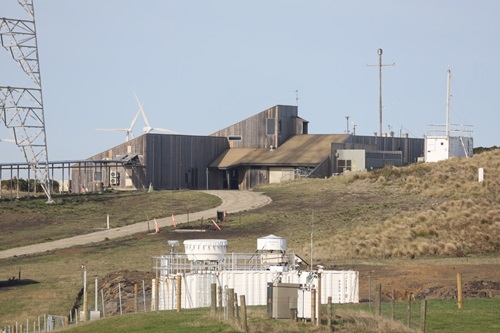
[(200, 66)]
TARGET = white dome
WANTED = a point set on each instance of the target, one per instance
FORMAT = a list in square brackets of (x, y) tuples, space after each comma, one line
[(205, 249)]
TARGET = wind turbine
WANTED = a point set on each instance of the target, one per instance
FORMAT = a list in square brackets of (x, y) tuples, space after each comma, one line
[(8, 140), (128, 131), (148, 127)]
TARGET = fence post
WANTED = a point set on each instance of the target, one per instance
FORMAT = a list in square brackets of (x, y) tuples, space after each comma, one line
[(157, 294), (213, 298), (136, 304), (378, 298), (102, 302), (408, 313), (369, 292), (329, 313), (85, 305), (244, 310), (219, 297), (144, 295), (120, 296), (423, 315), (459, 290), (393, 304), (237, 310)]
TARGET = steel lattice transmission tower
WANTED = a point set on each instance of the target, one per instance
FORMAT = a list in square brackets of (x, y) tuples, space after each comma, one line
[(22, 108)]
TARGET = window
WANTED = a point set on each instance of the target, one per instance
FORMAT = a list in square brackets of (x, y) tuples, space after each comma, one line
[(344, 165), (234, 138), (270, 126)]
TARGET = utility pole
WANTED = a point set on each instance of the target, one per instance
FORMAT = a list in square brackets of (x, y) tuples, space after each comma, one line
[(380, 65)]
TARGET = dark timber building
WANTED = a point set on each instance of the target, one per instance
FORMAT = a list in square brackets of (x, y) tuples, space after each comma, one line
[(269, 147)]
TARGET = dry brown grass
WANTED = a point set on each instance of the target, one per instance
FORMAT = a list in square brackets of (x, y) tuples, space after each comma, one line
[(465, 221), (345, 320), (364, 322)]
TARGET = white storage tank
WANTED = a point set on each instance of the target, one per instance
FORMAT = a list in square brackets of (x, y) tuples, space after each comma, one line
[(205, 249), (272, 249), (271, 243)]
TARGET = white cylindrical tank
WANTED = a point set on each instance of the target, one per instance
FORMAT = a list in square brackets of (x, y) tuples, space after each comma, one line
[(271, 243), (205, 249)]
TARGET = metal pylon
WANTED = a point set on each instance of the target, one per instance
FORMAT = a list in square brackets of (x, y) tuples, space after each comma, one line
[(22, 108)]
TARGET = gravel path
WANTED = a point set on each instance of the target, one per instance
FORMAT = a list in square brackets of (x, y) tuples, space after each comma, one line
[(232, 202)]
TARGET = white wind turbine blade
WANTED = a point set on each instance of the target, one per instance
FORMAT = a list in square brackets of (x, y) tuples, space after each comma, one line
[(148, 127), (8, 140), (121, 130), (127, 131), (164, 130)]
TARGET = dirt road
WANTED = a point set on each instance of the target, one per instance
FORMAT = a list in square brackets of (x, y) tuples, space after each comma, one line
[(232, 202)]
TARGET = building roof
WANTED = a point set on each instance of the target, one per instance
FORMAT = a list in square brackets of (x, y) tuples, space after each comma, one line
[(299, 150)]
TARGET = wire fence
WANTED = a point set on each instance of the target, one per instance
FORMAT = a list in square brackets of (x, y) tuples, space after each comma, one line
[(118, 299)]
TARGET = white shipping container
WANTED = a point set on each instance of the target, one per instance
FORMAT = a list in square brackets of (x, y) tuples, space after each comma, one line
[(342, 286)]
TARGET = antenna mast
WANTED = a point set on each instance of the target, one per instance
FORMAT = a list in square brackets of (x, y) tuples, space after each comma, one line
[(380, 65), (448, 104), (312, 242)]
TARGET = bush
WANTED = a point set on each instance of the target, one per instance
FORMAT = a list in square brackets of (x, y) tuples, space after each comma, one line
[(26, 185)]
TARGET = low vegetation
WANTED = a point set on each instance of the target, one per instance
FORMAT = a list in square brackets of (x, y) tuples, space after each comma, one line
[(200, 320), (437, 210), (30, 220), (461, 216)]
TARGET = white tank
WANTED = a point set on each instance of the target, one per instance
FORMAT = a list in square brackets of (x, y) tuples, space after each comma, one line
[(271, 243), (205, 249)]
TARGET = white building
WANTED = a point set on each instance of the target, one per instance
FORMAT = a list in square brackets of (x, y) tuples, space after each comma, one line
[(439, 146)]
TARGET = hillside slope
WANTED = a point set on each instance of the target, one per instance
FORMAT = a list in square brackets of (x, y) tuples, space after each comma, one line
[(433, 209), (462, 216)]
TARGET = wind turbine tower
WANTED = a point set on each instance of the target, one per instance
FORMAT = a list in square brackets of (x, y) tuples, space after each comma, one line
[(22, 108)]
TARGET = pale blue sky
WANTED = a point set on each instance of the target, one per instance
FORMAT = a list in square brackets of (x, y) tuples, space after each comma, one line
[(200, 66)]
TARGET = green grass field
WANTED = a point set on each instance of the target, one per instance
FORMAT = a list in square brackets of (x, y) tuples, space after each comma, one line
[(476, 315)]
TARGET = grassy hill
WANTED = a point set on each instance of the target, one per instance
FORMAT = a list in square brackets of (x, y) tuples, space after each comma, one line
[(452, 214), (436, 210)]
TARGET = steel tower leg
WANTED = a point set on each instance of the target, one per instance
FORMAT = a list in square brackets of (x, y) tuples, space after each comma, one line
[(22, 108)]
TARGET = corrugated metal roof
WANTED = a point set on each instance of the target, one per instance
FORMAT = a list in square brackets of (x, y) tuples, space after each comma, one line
[(299, 150)]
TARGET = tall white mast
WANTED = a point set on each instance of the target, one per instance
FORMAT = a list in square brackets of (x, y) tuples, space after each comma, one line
[(448, 105), (380, 65)]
